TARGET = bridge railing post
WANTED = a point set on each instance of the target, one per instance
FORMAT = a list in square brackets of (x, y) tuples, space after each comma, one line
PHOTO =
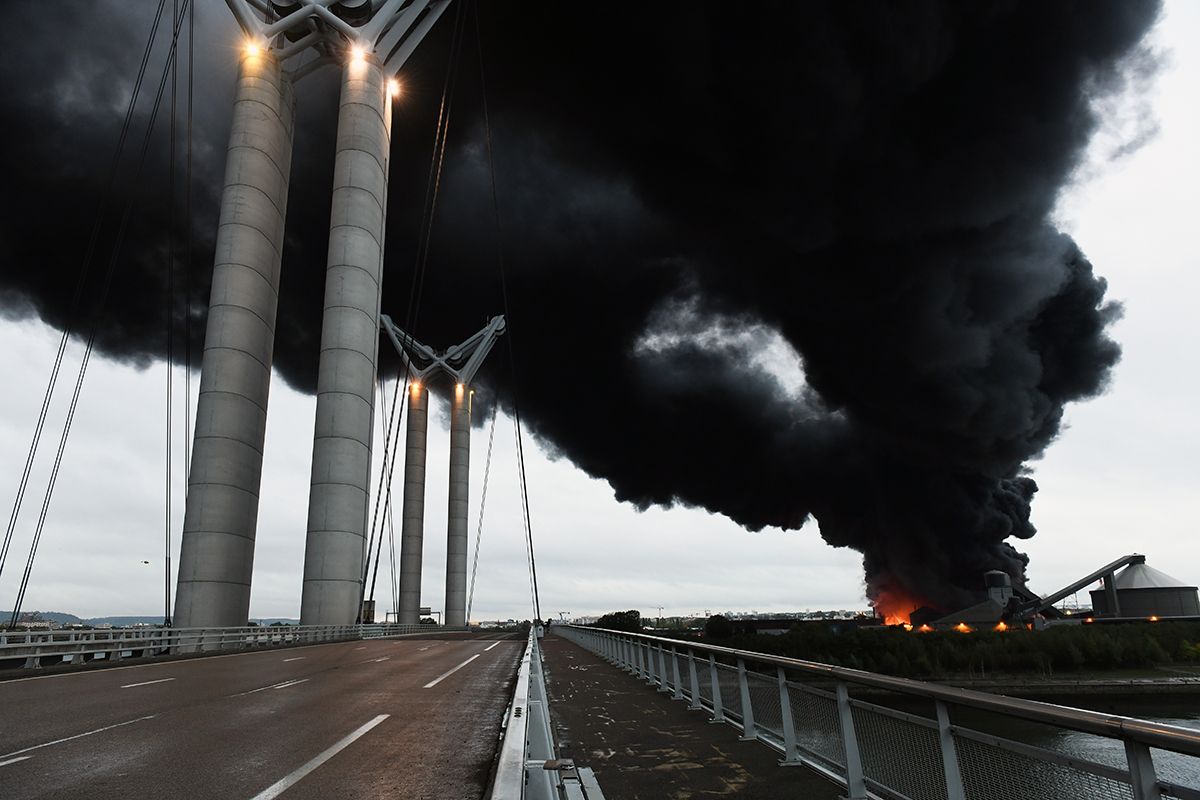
[(694, 681), (714, 680), (1141, 771), (791, 753), (749, 731), (954, 784), (855, 782), (678, 695)]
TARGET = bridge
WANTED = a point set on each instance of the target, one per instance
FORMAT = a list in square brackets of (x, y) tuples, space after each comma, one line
[(386, 710), (343, 706)]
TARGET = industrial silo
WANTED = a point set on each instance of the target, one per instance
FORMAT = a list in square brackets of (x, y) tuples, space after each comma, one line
[(1142, 591)]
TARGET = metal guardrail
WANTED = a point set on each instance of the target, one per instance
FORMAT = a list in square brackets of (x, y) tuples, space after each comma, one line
[(876, 751), (48, 648), (529, 767)]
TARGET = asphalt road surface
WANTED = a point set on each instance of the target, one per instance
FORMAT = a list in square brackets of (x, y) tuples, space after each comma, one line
[(412, 718)]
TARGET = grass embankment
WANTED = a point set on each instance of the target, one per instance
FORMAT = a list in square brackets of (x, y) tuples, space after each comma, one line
[(1061, 651)]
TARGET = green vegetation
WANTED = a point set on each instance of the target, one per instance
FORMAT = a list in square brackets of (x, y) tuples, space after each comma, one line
[(938, 654), (718, 626), (628, 621)]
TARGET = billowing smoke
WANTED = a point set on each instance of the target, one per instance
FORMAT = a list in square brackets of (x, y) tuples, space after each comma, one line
[(785, 261)]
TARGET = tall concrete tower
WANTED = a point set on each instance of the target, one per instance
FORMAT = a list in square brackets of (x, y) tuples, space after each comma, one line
[(217, 551), (460, 364), (369, 40)]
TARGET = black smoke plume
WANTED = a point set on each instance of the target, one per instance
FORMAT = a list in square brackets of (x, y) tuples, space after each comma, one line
[(691, 198)]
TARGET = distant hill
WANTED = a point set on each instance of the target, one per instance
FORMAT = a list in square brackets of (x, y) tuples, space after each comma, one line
[(56, 616), (119, 622)]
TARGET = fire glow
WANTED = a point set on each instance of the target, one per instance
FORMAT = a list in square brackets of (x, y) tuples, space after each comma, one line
[(894, 602)]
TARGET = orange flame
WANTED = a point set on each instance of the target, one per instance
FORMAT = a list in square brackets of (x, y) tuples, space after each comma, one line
[(893, 601)]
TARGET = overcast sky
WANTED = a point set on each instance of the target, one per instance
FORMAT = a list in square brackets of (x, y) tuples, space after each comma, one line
[(1121, 477)]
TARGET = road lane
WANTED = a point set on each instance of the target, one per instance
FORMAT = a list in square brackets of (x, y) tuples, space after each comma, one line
[(235, 726)]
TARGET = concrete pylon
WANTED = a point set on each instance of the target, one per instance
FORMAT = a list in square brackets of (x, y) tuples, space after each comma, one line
[(412, 526), (459, 363), (335, 550), (456, 519), (217, 550)]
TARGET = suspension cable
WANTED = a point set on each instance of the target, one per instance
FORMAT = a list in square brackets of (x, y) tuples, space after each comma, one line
[(187, 265), (79, 284), (509, 324), (385, 471), (487, 469), (170, 327), (87, 354), (187, 293)]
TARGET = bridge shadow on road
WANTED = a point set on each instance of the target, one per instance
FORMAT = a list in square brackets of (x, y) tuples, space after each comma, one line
[(642, 744)]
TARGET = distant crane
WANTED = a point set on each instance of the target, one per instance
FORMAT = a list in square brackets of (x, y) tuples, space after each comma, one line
[(562, 615)]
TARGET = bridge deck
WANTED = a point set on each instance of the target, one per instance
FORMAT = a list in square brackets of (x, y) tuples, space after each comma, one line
[(642, 744), (233, 726)]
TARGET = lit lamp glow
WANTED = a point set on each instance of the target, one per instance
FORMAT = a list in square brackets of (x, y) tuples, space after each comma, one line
[(357, 54), (252, 49), (394, 86)]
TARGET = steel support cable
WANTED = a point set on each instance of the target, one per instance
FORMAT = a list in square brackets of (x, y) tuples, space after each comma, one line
[(487, 470), (394, 566), (83, 273), (187, 265), (533, 590), (170, 317), (433, 185), (87, 353), (512, 362), (386, 420), (393, 420), (187, 293)]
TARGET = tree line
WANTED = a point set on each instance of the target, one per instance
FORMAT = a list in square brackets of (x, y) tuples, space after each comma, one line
[(1058, 650)]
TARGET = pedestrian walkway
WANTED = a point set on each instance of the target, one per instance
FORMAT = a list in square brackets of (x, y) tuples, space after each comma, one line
[(642, 744)]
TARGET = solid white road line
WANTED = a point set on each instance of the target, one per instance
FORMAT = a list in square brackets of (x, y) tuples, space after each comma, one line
[(14, 760), (7, 756), (146, 683), (286, 783), (489, 647), (442, 677), (297, 658)]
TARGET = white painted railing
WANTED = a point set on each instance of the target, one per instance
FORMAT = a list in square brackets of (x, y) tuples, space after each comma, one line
[(47, 648), (804, 710)]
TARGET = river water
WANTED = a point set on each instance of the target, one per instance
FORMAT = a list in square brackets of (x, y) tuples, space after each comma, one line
[(1182, 710)]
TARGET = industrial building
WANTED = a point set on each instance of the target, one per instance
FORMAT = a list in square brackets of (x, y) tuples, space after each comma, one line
[(1141, 591)]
